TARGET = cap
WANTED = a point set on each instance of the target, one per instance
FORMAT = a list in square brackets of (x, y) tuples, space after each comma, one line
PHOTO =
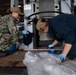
[(40, 26), (16, 9)]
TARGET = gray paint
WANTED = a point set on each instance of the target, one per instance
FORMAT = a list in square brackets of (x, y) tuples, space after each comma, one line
[(46, 5)]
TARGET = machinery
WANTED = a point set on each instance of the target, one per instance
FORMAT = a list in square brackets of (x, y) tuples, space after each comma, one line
[(35, 9)]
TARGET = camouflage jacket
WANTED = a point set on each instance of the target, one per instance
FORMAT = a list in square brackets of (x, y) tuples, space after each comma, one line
[(8, 32)]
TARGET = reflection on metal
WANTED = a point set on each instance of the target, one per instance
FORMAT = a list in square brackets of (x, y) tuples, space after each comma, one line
[(27, 7), (16, 2), (27, 12), (66, 6), (45, 37), (12, 3)]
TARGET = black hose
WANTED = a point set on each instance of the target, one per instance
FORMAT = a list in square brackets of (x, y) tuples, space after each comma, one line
[(43, 12)]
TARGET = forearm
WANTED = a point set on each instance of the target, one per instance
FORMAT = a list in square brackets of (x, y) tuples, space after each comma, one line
[(67, 48), (55, 42)]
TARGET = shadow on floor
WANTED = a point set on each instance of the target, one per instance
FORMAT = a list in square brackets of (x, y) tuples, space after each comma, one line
[(13, 71)]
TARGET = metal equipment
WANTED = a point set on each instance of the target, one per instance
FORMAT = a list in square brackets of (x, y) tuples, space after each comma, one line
[(43, 8)]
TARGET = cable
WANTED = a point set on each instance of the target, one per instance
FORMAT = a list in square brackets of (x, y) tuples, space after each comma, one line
[(43, 12)]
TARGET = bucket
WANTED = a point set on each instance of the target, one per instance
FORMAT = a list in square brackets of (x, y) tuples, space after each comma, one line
[(52, 51)]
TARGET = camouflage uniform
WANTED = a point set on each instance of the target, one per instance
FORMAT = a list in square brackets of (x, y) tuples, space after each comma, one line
[(8, 32)]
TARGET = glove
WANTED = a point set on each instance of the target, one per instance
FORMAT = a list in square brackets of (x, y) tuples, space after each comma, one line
[(62, 56), (25, 32), (12, 48), (50, 46)]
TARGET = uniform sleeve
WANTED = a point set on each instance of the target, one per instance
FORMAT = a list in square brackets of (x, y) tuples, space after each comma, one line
[(0, 27), (63, 30), (13, 29)]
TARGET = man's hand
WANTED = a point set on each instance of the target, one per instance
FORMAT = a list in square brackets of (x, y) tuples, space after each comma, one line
[(50, 46), (25, 32), (62, 56), (12, 48)]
